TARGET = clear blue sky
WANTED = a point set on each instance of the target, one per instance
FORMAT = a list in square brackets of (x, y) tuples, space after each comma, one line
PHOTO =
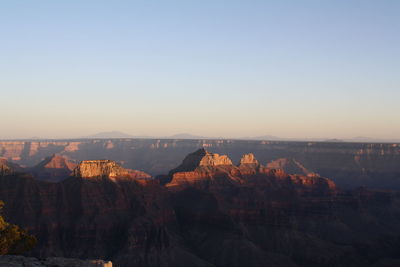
[(218, 68)]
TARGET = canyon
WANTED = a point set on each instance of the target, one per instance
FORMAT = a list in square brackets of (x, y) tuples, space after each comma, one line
[(204, 211), (349, 165)]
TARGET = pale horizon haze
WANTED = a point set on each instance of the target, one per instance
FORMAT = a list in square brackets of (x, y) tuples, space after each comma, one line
[(293, 69)]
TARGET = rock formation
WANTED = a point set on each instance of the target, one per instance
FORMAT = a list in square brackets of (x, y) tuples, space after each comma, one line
[(248, 159), (105, 169), (57, 162), (210, 213), (203, 168), (202, 159), (15, 261), (53, 169), (290, 166), (99, 168), (5, 169), (349, 165)]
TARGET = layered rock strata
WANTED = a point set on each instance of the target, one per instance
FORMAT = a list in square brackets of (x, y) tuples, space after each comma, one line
[(53, 169), (105, 168), (210, 213)]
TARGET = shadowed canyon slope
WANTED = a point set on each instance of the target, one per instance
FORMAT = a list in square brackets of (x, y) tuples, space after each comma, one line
[(350, 165), (207, 211), (54, 168)]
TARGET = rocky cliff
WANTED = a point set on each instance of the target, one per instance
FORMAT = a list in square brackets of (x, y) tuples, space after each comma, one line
[(350, 165), (105, 168), (210, 213), (290, 166), (203, 168), (265, 217), (53, 169), (128, 221)]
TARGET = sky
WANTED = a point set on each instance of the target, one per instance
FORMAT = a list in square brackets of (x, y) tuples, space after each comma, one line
[(298, 69)]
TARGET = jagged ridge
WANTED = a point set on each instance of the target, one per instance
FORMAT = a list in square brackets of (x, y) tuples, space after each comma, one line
[(202, 166)]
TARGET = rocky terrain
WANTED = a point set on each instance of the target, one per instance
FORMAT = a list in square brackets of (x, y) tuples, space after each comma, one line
[(349, 165), (207, 211), (54, 168), (18, 261)]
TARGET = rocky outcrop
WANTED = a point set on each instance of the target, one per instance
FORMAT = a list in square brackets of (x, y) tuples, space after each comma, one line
[(203, 168), (57, 162), (16, 261), (105, 169), (249, 164), (349, 165), (290, 166), (128, 221), (269, 213), (5, 169), (209, 214), (8, 168), (53, 169), (248, 159), (202, 159)]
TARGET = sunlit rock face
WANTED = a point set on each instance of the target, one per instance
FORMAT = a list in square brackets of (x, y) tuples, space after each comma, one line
[(202, 158), (249, 164), (106, 169), (203, 168), (99, 168), (248, 159)]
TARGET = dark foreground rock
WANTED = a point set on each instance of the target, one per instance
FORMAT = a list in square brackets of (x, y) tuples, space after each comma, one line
[(19, 261)]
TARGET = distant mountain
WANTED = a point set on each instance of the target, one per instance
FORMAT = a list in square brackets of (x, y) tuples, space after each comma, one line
[(106, 135), (333, 140), (188, 136), (117, 134), (265, 137)]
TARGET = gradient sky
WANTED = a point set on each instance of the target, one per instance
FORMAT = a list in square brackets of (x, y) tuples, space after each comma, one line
[(217, 68)]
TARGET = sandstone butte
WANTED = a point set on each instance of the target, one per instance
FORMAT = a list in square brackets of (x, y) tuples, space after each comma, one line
[(203, 166), (57, 168), (105, 168), (248, 159)]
